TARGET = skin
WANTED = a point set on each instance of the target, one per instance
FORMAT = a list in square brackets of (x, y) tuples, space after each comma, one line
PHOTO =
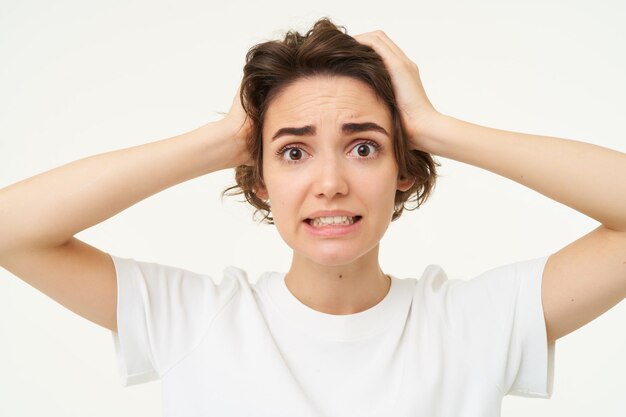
[(331, 274), (585, 278), (582, 280), (41, 215)]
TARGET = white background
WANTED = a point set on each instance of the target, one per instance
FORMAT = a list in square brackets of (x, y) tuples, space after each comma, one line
[(79, 78)]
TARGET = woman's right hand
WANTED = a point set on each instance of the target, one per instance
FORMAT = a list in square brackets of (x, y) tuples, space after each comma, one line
[(240, 127), (40, 216)]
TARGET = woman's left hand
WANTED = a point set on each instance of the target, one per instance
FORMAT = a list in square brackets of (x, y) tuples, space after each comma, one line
[(416, 112)]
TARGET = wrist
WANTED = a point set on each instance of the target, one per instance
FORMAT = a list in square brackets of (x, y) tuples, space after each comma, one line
[(232, 137), (438, 134), (212, 146)]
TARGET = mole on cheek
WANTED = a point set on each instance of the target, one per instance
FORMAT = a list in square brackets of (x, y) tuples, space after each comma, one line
[(340, 276)]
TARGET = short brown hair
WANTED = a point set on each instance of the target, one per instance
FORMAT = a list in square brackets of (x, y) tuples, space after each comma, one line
[(326, 49)]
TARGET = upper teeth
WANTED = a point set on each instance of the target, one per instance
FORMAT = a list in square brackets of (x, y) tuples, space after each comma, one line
[(332, 220)]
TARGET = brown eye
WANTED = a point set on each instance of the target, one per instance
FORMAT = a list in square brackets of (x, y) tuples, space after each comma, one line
[(365, 149), (294, 154), (291, 154)]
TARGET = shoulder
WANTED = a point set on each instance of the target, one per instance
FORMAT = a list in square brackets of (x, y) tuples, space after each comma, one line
[(494, 285), (159, 281)]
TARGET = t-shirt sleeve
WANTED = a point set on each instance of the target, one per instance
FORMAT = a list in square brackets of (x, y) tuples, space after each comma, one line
[(505, 309), (162, 314), (530, 369)]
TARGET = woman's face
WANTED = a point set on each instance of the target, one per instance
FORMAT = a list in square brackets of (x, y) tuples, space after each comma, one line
[(329, 169)]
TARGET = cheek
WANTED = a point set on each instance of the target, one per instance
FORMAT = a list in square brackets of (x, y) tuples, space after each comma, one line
[(379, 184), (285, 191)]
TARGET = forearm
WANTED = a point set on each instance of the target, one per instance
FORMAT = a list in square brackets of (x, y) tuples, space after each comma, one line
[(48, 209), (585, 177)]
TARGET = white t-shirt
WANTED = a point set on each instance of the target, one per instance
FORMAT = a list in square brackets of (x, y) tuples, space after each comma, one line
[(432, 347)]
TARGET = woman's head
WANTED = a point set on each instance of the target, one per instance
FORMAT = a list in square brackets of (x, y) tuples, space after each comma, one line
[(324, 51)]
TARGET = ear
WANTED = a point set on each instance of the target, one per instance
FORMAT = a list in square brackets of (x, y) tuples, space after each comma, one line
[(261, 192), (405, 184)]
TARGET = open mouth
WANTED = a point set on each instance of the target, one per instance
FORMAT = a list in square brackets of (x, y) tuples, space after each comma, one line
[(333, 221)]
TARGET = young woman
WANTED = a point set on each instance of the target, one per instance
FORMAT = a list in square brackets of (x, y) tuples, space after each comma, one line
[(333, 139)]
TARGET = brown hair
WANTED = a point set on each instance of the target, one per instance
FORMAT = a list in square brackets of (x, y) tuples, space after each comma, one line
[(326, 49)]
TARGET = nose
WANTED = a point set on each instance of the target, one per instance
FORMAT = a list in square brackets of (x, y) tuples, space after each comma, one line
[(330, 178)]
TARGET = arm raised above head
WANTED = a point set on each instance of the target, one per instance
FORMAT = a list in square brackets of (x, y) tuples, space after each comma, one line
[(587, 277), (39, 216)]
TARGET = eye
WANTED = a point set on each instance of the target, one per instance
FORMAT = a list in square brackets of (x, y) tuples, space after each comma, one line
[(365, 149), (291, 153)]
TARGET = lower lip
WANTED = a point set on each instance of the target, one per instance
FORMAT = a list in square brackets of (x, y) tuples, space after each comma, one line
[(333, 230)]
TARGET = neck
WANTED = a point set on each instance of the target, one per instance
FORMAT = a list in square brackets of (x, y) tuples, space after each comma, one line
[(341, 289)]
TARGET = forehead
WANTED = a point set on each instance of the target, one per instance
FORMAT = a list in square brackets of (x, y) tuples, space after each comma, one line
[(326, 99)]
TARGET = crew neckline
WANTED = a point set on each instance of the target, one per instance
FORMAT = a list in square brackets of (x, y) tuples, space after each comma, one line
[(342, 328)]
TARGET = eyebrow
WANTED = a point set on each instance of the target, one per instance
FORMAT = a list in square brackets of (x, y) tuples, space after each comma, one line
[(309, 130)]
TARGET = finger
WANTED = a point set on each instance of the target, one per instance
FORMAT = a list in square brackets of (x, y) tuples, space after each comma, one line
[(381, 36), (389, 56)]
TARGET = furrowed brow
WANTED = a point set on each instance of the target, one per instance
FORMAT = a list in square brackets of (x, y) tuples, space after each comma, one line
[(307, 130), (363, 127)]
